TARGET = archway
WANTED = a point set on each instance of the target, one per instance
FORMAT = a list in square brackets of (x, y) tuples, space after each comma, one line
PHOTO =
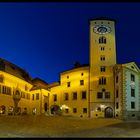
[(55, 109), (108, 112)]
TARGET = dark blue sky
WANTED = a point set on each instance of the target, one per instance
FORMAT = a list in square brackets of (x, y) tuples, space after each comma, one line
[(47, 38)]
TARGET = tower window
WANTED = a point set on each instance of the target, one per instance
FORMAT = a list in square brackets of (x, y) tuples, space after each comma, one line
[(99, 95), (102, 58), (103, 90), (102, 68), (102, 81), (102, 40), (67, 77), (102, 48), (81, 82), (82, 74), (107, 95)]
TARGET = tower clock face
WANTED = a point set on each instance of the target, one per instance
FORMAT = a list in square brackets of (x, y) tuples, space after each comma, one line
[(102, 29)]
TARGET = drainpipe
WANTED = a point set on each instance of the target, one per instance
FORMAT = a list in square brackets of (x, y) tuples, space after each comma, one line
[(114, 73), (89, 115)]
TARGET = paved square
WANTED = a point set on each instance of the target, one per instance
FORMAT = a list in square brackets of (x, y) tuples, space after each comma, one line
[(60, 126)]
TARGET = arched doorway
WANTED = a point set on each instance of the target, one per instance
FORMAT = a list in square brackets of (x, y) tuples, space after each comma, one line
[(45, 107), (55, 109), (108, 112)]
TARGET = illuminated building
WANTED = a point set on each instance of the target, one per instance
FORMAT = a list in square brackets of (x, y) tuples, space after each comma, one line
[(101, 88)]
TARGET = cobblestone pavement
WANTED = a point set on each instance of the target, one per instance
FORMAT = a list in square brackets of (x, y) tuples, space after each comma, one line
[(60, 126)]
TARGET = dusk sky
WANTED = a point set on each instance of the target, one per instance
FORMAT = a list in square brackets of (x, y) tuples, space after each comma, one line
[(48, 38)]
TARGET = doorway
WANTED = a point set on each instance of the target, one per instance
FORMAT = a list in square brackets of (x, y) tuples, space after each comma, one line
[(108, 112)]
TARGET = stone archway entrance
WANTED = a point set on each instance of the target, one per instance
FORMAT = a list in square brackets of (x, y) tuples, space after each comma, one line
[(108, 112), (55, 109)]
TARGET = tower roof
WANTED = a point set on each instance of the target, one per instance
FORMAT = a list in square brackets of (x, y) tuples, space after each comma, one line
[(102, 18)]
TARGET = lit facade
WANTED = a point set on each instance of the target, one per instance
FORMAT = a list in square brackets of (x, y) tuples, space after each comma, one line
[(101, 88)]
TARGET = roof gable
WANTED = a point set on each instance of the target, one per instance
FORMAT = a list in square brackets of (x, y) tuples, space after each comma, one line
[(132, 66)]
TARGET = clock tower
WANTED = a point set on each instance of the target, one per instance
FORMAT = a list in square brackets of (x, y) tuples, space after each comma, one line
[(102, 59)]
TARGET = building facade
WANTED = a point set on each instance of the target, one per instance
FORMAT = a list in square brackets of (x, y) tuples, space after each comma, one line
[(101, 88)]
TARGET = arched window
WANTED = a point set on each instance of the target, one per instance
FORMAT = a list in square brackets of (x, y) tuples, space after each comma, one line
[(102, 81), (102, 40)]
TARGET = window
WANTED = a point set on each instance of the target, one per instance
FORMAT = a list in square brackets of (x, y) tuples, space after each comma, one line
[(81, 82), (98, 108), (132, 77), (37, 96), (8, 91), (103, 90), (83, 94), (117, 93), (132, 92), (117, 105), (132, 105), (5, 90), (28, 96), (66, 110), (33, 97), (82, 74), (66, 96), (84, 110), (99, 95), (74, 95), (74, 110), (117, 79), (102, 68), (1, 78), (22, 94), (68, 84), (102, 81), (67, 77), (102, 48), (102, 40), (102, 58), (26, 88), (55, 97), (107, 95)]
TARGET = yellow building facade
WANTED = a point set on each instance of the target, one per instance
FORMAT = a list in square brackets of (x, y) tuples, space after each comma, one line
[(18, 93)]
